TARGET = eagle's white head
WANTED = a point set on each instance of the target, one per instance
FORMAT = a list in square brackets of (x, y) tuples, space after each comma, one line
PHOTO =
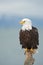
[(27, 25)]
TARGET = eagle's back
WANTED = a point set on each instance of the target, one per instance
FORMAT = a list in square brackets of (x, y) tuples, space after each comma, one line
[(29, 39)]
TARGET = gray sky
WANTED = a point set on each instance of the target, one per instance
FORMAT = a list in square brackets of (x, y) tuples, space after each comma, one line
[(22, 7)]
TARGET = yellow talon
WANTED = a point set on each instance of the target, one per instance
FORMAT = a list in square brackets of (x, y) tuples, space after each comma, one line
[(31, 50), (25, 49)]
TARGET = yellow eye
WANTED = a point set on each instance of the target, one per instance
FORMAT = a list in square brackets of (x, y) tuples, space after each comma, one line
[(24, 21)]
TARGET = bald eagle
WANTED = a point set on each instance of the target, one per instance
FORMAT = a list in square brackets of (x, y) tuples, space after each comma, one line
[(28, 35)]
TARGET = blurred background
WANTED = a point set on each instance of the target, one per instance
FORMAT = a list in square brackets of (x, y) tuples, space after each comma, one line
[(11, 12)]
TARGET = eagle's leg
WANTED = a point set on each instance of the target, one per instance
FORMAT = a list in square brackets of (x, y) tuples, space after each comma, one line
[(29, 58)]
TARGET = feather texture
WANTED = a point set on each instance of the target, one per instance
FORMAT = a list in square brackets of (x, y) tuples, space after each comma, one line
[(29, 39)]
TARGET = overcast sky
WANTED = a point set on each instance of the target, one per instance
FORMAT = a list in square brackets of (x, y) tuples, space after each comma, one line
[(22, 7)]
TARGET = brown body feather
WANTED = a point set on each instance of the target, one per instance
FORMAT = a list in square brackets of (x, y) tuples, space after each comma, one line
[(29, 39)]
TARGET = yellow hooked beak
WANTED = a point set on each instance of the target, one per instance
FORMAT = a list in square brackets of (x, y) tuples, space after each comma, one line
[(22, 22)]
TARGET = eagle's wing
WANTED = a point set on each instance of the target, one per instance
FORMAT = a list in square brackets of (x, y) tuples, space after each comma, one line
[(29, 39)]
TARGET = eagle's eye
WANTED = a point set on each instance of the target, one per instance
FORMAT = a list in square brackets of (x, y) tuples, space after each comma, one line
[(24, 21)]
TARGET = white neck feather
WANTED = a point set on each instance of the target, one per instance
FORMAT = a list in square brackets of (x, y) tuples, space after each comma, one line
[(26, 27)]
